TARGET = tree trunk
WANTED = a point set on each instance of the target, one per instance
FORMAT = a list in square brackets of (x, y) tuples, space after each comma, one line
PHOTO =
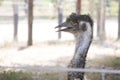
[(101, 20), (30, 22), (98, 21), (78, 6), (60, 15), (26, 8), (15, 10), (91, 8), (119, 20)]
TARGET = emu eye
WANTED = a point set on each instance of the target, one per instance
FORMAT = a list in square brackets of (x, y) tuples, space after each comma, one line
[(83, 26), (74, 23)]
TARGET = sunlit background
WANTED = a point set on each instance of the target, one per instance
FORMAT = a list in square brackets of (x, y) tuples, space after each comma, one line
[(50, 48)]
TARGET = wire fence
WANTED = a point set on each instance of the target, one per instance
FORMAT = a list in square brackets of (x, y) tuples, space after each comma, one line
[(103, 72)]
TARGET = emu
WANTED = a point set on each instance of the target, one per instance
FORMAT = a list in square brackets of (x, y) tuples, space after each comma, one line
[(81, 26)]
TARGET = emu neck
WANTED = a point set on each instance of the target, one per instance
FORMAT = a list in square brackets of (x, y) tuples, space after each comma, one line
[(83, 41)]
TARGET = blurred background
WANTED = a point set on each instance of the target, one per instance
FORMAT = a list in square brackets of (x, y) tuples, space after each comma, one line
[(47, 14), (28, 35)]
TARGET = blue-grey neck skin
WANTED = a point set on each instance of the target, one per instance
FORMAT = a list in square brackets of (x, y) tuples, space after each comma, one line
[(83, 41)]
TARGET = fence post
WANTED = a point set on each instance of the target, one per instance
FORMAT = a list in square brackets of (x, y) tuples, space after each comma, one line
[(103, 76)]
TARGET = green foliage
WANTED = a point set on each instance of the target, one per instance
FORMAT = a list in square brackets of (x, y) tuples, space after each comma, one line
[(1, 1), (49, 76), (19, 75), (93, 76), (12, 75), (53, 76), (53, 1), (106, 62)]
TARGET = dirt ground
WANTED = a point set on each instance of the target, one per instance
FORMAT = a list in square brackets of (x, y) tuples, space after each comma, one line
[(52, 53), (47, 49)]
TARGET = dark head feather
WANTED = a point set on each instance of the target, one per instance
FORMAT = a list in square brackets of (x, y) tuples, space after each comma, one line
[(86, 18), (75, 18)]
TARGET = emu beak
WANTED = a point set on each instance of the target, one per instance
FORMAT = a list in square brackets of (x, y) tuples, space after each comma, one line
[(62, 27)]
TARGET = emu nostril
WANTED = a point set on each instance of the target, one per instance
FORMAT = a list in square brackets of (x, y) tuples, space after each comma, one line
[(56, 27)]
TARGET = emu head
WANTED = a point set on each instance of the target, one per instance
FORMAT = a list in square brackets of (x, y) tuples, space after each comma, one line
[(76, 23)]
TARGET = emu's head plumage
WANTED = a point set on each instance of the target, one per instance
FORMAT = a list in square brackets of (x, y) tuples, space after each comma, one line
[(76, 23)]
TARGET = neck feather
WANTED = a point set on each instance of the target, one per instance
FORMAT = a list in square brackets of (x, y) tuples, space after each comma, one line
[(83, 41)]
